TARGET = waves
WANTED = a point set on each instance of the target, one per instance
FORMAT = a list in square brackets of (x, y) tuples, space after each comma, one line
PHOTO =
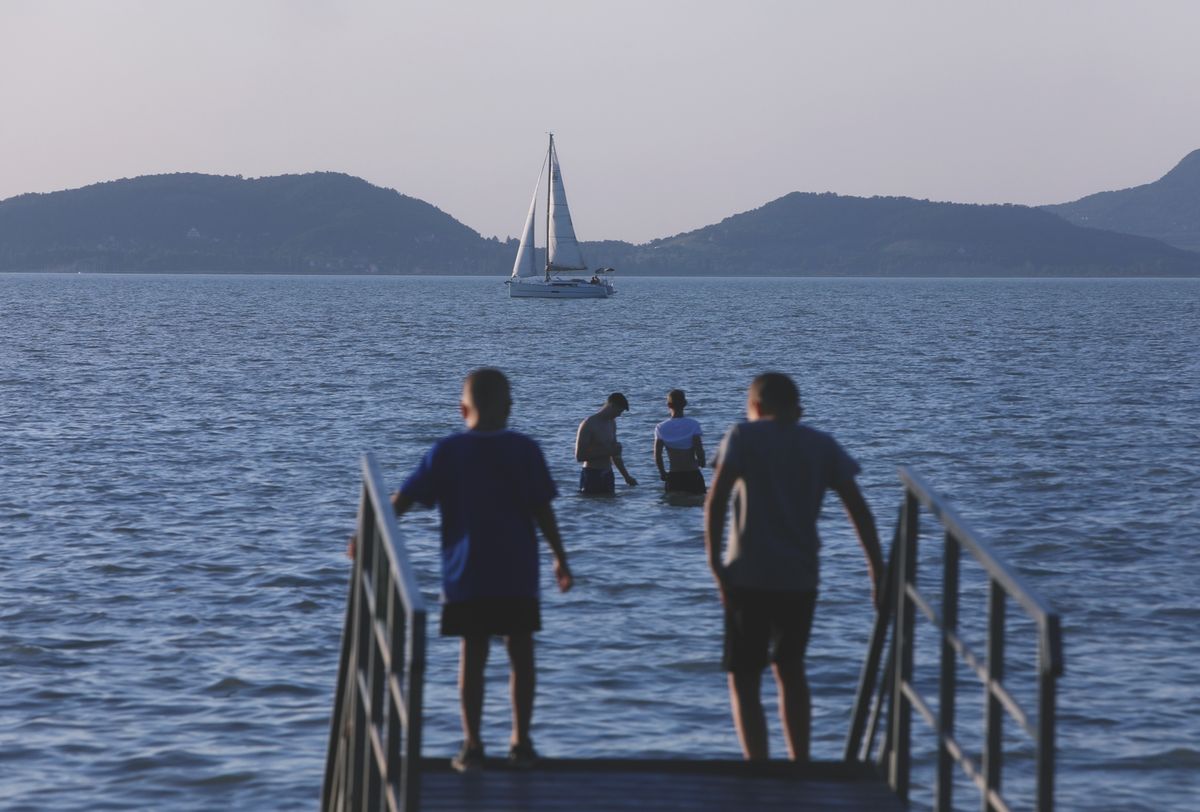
[(178, 489)]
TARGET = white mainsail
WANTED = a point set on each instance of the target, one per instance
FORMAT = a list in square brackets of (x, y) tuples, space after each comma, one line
[(526, 263), (563, 247)]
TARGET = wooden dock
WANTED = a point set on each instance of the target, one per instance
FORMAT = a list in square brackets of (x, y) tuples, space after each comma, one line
[(375, 761), (612, 785)]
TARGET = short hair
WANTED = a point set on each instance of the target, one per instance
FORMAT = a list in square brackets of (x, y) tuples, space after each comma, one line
[(618, 400), (677, 398), (777, 393), (488, 388)]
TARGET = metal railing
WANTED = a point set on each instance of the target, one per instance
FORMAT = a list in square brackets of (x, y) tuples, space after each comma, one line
[(900, 601), (374, 755)]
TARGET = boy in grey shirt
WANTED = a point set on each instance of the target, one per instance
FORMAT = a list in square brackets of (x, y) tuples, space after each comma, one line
[(776, 470)]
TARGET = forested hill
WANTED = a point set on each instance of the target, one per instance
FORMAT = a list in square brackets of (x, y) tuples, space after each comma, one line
[(826, 234), (320, 222), (1167, 209), (334, 223)]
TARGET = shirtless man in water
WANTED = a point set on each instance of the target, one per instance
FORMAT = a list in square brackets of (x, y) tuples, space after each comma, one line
[(597, 448)]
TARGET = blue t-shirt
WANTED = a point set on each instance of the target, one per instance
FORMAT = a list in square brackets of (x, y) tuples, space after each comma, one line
[(486, 485)]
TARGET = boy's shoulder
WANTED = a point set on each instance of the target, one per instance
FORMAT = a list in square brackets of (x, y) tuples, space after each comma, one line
[(772, 431), (814, 434), (503, 437), (505, 441)]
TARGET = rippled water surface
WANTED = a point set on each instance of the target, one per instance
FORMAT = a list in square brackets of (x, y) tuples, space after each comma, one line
[(179, 470)]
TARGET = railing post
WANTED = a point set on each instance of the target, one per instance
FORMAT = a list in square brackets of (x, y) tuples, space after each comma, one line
[(396, 622), (414, 699), (859, 739), (901, 721), (376, 688), (993, 751), (336, 766), (947, 682), (360, 749), (1048, 673)]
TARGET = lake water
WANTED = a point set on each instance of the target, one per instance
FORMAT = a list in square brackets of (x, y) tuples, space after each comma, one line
[(179, 469)]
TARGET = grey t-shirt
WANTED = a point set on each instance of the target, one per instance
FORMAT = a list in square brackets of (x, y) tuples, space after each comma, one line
[(782, 471)]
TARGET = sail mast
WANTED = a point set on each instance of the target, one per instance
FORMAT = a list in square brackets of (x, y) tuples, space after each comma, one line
[(549, 175)]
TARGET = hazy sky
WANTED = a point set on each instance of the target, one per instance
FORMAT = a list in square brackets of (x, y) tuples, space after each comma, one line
[(668, 115)]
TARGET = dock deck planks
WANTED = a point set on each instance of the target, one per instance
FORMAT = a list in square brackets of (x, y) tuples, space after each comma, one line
[(612, 785)]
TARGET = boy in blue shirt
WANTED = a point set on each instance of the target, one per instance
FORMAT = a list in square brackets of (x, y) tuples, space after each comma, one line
[(491, 486), (776, 470)]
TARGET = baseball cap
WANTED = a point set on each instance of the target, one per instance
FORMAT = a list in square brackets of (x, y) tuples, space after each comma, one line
[(619, 400)]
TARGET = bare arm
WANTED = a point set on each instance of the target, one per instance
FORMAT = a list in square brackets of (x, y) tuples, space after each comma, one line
[(582, 442), (548, 524), (620, 466), (401, 503), (658, 458), (698, 450), (618, 462), (715, 507), (868, 536)]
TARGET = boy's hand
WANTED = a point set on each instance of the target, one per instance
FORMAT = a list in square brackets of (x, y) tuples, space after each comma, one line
[(562, 574), (629, 480)]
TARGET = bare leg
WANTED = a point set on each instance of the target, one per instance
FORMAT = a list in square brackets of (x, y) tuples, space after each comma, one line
[(522, 684), (795, 707), (746, 701), (470, 686)]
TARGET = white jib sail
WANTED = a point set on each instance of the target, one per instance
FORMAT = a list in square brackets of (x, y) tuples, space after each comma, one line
[(526, 262), (564, 248)]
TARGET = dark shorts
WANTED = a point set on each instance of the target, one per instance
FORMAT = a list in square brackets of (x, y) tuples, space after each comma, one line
[(685, 482), (597, 481), (763, 625), (491, 616)]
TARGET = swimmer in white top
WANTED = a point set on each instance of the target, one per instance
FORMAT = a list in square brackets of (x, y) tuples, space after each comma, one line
[(680, 436)]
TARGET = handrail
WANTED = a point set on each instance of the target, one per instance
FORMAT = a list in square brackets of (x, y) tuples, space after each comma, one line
[(997, 569), (374, 756), (898, 614), (864, 721)]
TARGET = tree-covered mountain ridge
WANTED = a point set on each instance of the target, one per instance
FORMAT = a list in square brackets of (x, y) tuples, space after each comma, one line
[(321, 222), (829, 234), (1167, 209), (329, 222)]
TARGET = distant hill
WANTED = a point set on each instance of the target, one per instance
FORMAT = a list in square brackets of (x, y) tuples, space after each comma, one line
[(1167, 209), (320, 222), (826, 234), (334, 223)]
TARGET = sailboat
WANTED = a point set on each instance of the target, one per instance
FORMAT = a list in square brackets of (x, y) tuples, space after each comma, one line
[(562, 252)]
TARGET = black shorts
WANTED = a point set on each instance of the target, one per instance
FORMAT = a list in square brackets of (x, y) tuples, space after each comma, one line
[(685, 482), (597, 481), (491, 616), (763, 625)]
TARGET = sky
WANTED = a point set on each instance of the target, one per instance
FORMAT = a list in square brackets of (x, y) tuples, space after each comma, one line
[(668, 116)]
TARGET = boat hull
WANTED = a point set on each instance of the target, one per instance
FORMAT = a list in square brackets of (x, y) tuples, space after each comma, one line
[(560, 289)]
